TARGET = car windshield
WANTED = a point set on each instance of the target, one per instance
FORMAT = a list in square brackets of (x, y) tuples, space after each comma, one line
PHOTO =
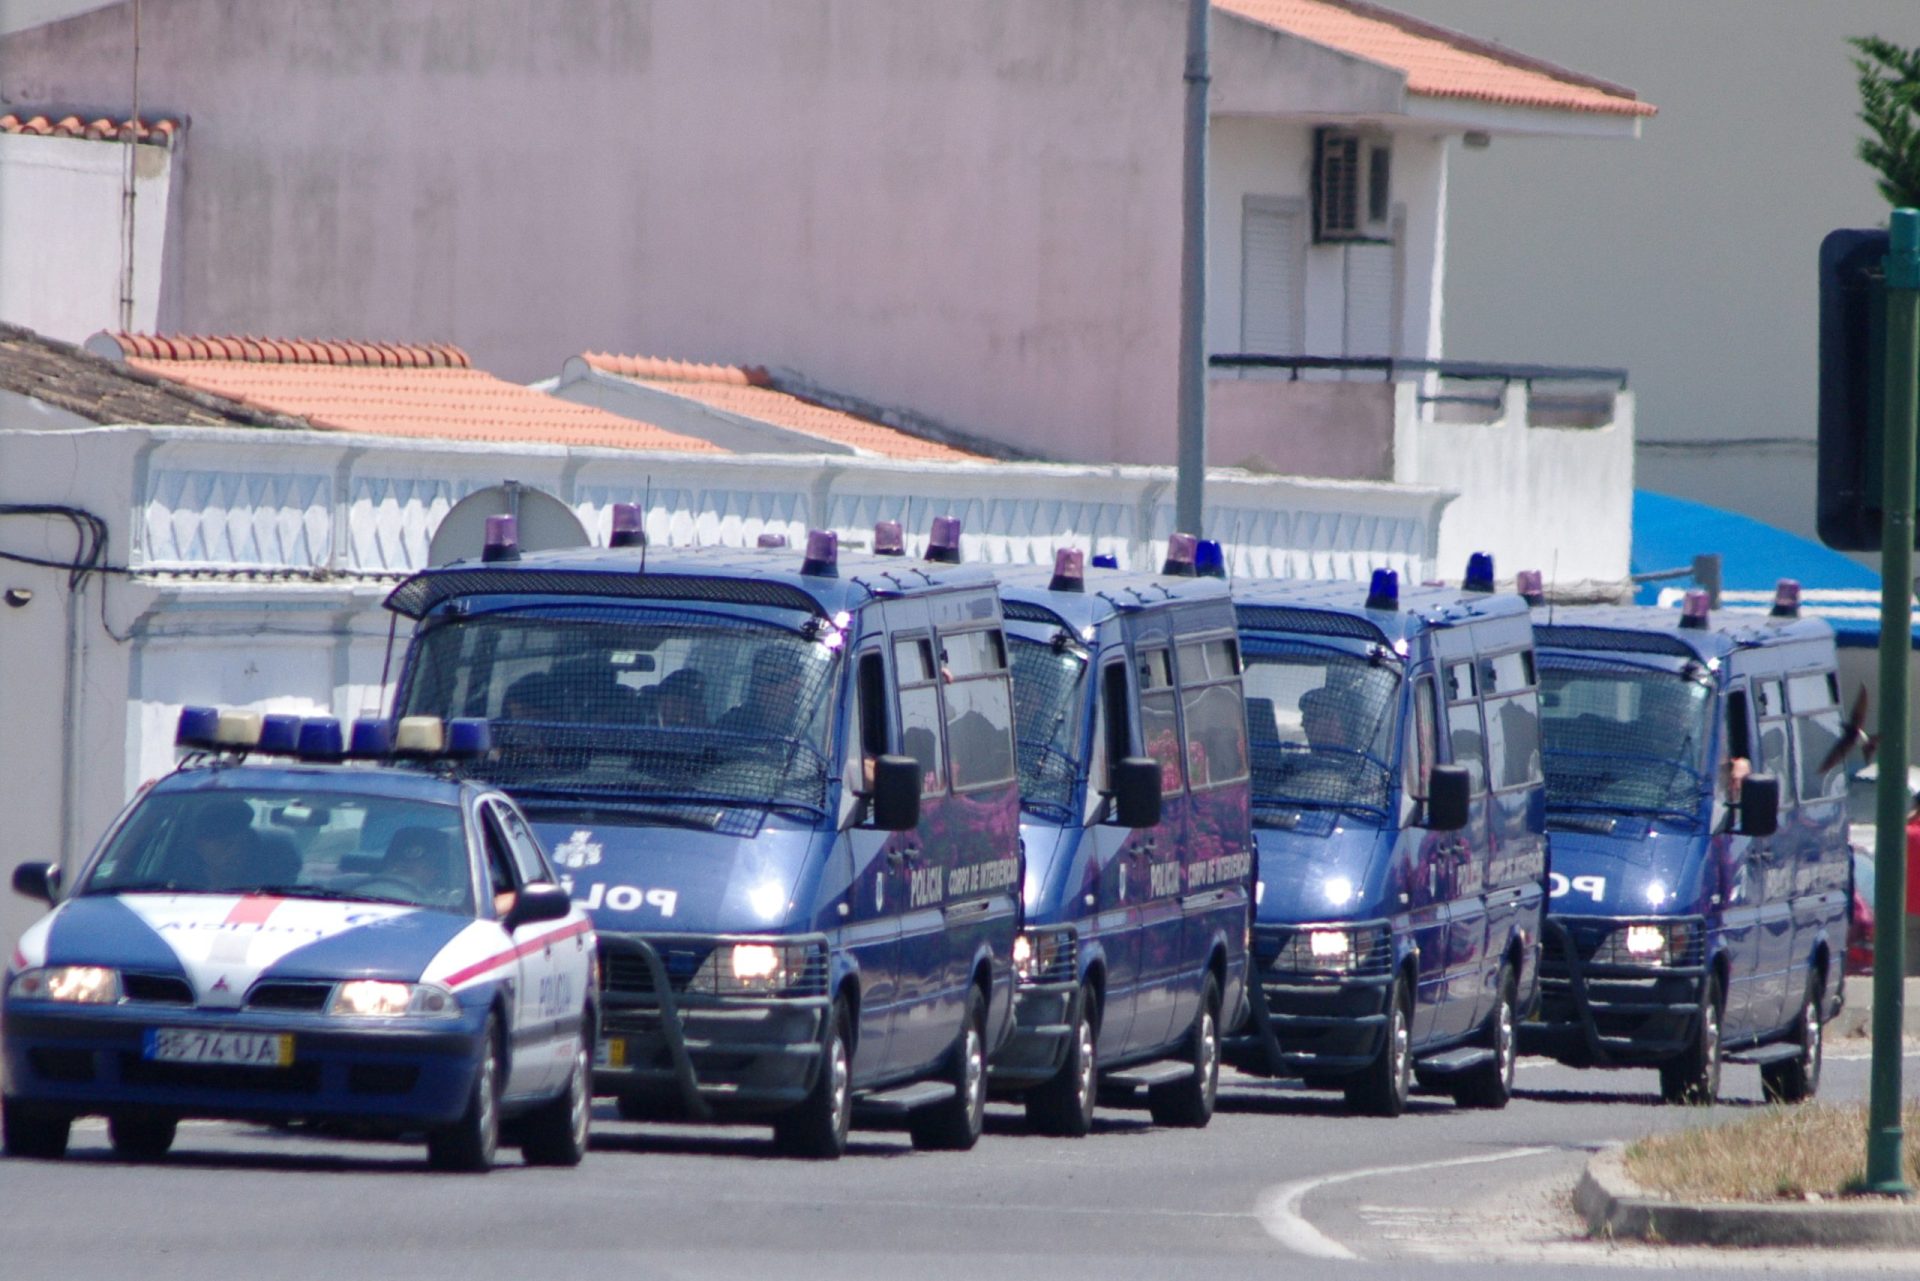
[(1048, 686), (323, 844), (1321, 725), (1622, 739), (674, 705)]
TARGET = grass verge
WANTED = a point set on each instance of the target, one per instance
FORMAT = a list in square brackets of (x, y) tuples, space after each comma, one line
[(1782, 1154)]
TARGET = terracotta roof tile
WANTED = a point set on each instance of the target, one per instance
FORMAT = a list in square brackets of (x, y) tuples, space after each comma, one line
[(102, 391), (1439, 63), (387, 389), (158, 131), (748, 391)]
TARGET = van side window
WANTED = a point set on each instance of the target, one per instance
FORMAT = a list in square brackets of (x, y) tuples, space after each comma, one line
[(1216, 716), (1116, 725), (1463, 727), (868, 728), (1817, 732), (499, 861), (1426, 719), (1773, 757), (1513, 720), (920, 711), (979, 705), (1460, 682), (1159, 728)]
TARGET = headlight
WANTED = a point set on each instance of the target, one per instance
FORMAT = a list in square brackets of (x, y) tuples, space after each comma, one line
[(376, 998), (1043, 955), (1331, 948), (79, 984), (759, 969), (1649, 943)]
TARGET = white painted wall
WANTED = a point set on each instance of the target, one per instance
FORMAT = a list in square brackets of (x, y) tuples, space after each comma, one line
[(61, 230)]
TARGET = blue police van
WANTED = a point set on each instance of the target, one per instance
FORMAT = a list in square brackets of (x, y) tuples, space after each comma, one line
[(1398, 811), (1695, 913), (1139, 859), (784, 787)]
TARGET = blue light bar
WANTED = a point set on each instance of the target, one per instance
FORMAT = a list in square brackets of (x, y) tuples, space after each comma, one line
[(469, 736), (197, 726), (279, 734), (1479, 573), (1105, 560), (371, 738), (1209, 559), (320, 739), (1384, 591)]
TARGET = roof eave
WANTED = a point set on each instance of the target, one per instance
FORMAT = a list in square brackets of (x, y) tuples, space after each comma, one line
[(1471, 115)]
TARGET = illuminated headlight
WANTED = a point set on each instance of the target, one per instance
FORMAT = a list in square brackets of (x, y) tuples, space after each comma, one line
[(1331, 949), (755, 968), (1652, 943), (78, 984), (376, 998), (1037, 952)]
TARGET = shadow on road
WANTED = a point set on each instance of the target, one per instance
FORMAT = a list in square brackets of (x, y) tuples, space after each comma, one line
[(1632, 1100)]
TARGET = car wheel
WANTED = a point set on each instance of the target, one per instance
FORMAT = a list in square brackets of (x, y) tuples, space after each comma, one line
[(817, 1127), (141, 1137), (555, 1133), (1063, 1106), (1381, 1088), (469, 1144), (33, 1132), (1693, 1075), (1189, 1101), (954, 1124), (1491, 1084), (1798, 1079)]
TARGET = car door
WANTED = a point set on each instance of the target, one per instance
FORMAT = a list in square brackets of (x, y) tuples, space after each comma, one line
[(876, 871), (1760, 929), (1516, 857), (1819, 836), (1115, 918), (556, 974), (1431, 854), (529, 1056), (1153, 882), (1463, 874), (919, 1036), (1216, 853)]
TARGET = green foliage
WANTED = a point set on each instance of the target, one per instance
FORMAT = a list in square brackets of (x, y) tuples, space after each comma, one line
[(1890, 108)]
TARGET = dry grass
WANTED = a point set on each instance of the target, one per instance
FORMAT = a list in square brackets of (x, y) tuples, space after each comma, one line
[(1783, 1153)]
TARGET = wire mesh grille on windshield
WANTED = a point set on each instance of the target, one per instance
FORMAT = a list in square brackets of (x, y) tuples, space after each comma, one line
[(1046, 719), (1618, 739), (1568, 636), (1319, 726), (1313, 622), (416, 597), (1019, 611)]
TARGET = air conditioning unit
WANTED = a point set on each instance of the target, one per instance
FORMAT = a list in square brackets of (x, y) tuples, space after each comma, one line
[(1352, 195)]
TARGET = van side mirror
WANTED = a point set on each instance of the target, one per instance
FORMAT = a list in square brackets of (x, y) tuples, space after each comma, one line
[(537, 901), (896, 793), (37, 881), (1760, 805), (1136, 791), (1449, 793)]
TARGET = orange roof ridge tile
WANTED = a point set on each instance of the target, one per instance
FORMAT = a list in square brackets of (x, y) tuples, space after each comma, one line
[(666, 369), (296, 351), (157, 130)]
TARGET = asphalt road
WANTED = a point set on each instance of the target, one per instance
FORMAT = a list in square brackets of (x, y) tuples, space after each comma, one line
[(1283, 1183)]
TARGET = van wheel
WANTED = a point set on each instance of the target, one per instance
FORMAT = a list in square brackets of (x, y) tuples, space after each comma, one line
[(1063, 1106), (1491, 1084), (1798, 1079), (954, 1125), (1381, 1088), (137, 1137), (556, 1132), (817, 1127), (1189, 1101), (469, 1144), (32, 1132), (1693, 1075)]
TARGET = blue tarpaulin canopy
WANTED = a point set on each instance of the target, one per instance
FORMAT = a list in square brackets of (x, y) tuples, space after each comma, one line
[(1669, 532)]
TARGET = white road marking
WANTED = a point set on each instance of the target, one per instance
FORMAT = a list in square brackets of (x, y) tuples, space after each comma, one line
[(1278, 1208)]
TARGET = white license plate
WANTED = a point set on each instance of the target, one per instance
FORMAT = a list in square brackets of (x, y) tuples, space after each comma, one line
[(238, 1049)]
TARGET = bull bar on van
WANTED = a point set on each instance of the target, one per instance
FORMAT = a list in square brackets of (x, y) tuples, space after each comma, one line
[(1046, 1009), (1311, 1016), (1598, 1008)]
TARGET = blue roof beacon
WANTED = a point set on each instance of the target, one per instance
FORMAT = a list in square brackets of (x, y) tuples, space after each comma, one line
[(1398, 811), (1696, 793), (1131, 732), (782, 782)]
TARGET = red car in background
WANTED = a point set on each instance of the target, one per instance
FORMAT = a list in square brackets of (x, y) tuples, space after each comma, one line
[(1860, 923)]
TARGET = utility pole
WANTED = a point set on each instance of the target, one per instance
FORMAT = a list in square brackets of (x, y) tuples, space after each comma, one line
[(1190, 486), (1884, 1138)]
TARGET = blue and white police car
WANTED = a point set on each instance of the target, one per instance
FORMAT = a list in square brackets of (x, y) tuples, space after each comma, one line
[(306, 940)]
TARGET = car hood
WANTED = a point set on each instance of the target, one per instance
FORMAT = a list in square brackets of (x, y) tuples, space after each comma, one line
[(1303, 872), (1640, 874)]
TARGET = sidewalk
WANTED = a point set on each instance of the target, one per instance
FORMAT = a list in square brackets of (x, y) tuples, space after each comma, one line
[(1856, 1019)]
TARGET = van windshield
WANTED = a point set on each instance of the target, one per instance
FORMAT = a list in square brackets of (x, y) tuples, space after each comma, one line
[(1622, 739), (1321, 726), (672, 705), (1048, 686)]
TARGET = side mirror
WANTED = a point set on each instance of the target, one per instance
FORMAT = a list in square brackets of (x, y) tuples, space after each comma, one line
[(896, 793), (37, 881), (539, 901), (1760, 805), (1136, 791), (1449, 793)]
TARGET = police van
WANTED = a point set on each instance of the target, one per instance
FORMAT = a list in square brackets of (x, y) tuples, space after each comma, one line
[(1139, 859), (1695, 912), (783, 785), (1398, 812)]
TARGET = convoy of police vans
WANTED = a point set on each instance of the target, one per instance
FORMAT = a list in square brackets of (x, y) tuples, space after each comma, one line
[(859, 837)]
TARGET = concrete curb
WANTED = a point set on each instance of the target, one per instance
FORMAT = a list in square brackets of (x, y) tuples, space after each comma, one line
[(1614, 1206)]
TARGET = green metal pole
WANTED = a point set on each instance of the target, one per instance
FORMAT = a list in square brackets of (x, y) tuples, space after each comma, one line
[(1885, 1172)]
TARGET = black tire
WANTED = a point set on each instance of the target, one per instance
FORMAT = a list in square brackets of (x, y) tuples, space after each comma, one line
[(1798, 1079), (1491, 1084), (1189, 1101), (1693, 1076), (1381, 1088), (1063, 1106), (32, 1132), (141, 1137), (817, 1128), (469, 1144), (555, 1133), (954, 1124)]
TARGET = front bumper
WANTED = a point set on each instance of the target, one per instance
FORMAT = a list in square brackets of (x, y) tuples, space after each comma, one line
[(1044, 1016), (90, 1059), (675, 1052), (1596, 1011), (1307, 1021)]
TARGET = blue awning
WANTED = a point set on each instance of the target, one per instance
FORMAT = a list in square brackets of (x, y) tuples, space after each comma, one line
[(1669, 532)]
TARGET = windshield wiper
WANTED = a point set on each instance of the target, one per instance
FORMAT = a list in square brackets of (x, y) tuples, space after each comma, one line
[(142, 887), (317, 891)]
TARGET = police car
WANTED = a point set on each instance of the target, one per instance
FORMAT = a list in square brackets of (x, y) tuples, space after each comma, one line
[(306, 940)]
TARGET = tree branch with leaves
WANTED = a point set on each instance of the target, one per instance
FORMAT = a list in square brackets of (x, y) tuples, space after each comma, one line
[(1890, 108)]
